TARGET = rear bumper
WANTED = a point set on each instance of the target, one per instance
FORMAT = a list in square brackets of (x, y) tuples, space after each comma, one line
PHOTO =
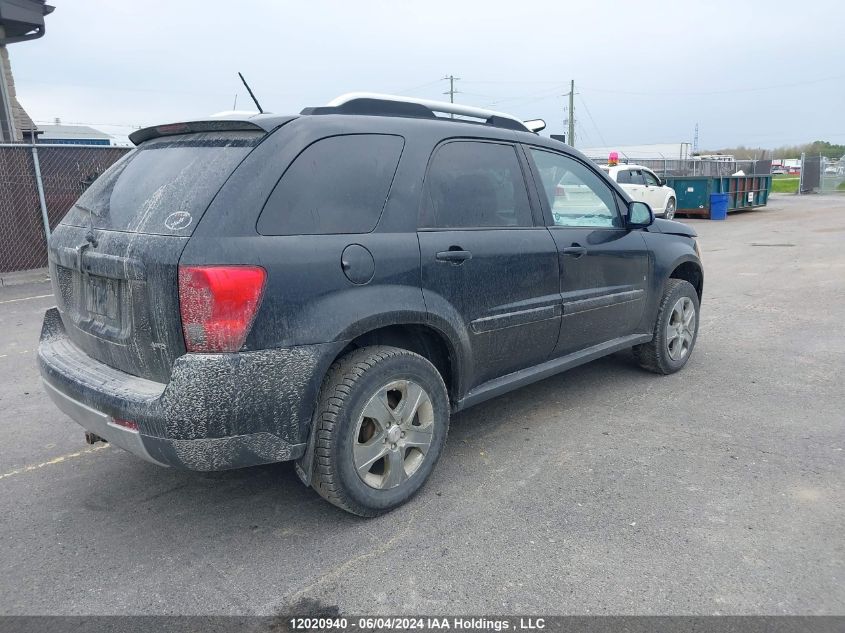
[(100, 424), (219, 411)]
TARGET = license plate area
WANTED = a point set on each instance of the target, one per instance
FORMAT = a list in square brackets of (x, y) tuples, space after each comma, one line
[(103, 300)]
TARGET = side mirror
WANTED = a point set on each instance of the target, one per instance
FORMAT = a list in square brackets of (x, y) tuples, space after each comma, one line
[(640, 215)]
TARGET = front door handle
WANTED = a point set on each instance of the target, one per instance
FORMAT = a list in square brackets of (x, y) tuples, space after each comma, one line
[(455, 255), (575, 251)]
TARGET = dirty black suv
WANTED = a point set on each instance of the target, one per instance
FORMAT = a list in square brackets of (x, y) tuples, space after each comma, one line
[(330, 287)]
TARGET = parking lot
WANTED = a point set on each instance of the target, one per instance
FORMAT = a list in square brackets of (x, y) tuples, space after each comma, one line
[(602, 490)]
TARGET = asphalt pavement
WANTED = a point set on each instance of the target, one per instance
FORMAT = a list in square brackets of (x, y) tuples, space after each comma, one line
[(604, 490)]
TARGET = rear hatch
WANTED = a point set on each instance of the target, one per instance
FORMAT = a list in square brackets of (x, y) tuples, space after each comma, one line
[(114, 258)]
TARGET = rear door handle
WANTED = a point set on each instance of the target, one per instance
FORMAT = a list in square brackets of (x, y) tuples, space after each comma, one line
[(455, 255), (575, 251)]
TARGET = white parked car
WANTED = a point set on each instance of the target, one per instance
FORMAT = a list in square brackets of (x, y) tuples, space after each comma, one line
[(643, 185)]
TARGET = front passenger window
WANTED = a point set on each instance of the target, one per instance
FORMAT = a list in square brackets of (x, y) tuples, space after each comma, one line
[(576, 195)]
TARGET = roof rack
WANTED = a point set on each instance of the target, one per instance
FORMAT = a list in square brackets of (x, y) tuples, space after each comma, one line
[(378, 104)]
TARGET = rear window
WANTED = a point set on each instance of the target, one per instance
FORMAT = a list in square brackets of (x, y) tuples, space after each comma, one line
[(165, 185), (336, 185)]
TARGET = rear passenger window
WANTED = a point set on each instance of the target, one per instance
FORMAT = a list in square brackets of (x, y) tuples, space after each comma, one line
[(474, 184), (623, 177), (336, 185), (637, 177)]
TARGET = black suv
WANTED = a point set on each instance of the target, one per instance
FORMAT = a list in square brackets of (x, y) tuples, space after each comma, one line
[(330, 287)]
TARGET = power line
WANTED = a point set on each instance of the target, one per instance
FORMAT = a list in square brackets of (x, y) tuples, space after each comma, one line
[(531, 98), (715, 92), (420, 87), (514, 81), (582, 132), (590, 115), (476, 94)]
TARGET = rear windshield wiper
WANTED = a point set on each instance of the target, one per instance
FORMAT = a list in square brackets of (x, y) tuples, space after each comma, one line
[(86, 209)]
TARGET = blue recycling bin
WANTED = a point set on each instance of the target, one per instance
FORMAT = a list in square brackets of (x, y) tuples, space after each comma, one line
[(718, 206)]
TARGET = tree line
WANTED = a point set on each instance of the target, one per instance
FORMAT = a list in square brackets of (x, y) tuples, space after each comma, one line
[(826, 149)]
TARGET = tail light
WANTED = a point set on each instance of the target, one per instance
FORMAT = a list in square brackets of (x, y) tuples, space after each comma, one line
[(129, 425), (218, 305)]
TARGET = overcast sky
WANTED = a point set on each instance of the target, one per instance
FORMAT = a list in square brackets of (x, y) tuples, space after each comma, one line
[(753, 72)]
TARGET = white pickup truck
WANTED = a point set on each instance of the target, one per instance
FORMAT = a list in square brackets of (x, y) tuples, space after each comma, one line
[(643, 185)]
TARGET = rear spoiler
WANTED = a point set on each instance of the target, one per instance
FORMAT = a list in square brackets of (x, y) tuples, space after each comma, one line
[(261, 123)]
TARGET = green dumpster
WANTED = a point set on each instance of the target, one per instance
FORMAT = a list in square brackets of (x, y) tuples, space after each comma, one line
[(744, 192), (693, 193)]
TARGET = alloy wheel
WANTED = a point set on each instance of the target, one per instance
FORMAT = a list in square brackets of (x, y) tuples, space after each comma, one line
[(393, 434), (680, 329)]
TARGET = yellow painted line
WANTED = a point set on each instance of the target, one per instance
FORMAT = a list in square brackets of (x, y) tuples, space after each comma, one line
[(55, 460), (26, 298), (26, 351)]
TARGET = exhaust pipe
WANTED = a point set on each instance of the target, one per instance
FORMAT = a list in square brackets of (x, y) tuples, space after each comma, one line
[(92, 438)]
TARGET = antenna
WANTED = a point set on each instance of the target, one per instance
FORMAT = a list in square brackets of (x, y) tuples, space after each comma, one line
[(249, 90)]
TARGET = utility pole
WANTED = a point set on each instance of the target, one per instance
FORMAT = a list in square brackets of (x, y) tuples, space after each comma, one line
[(570, 137), (451, 92), (695, 141)]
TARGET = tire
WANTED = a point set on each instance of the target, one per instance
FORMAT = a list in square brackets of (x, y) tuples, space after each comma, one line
[(675, 332), (370, 464), (669, 211)]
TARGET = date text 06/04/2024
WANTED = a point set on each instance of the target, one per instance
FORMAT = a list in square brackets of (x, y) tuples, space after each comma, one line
[(418, 623)]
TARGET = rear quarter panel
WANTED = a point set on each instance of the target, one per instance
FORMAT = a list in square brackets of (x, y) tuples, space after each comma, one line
[(308, 298)]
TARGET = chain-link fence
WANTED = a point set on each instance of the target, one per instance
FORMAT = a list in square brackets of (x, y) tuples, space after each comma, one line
[(709, 168), (832, 176), (811, 173), (38, 184)]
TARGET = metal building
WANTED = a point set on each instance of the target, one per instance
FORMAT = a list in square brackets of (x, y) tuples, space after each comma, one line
[(20, 20)]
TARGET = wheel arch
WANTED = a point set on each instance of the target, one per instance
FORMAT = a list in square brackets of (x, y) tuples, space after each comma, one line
[(692, 272), (414, 335), (420, 338)]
